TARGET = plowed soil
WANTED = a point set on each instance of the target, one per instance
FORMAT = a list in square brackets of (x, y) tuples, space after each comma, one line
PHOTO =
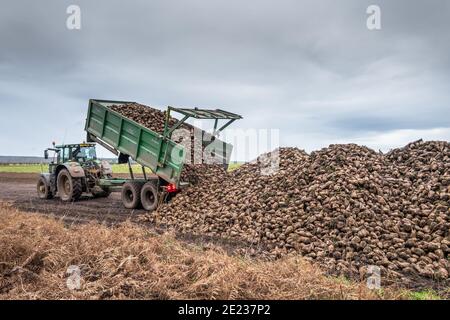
[(20, 190)]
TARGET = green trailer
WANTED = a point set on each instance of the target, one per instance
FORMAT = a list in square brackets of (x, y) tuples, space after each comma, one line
[(158, 152)]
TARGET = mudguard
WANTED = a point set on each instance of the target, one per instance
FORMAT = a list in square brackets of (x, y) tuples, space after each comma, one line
[(75, 170)]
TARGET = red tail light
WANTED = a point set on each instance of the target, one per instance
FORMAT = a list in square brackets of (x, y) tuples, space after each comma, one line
[(171, 188)]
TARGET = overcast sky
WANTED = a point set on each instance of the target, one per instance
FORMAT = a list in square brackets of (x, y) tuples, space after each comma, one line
[(309, 68)]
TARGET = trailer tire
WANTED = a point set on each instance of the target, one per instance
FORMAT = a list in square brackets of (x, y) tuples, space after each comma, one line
[(149, 196), (43, 189), (69, 188), (131, 195)]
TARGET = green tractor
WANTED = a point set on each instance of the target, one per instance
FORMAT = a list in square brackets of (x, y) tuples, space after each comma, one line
[(74, 170)]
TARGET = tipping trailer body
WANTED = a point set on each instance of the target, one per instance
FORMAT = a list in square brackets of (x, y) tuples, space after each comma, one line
[(156, 151), (120, 134)]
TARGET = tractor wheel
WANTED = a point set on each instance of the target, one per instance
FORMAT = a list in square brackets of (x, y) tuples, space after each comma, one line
[(69, 189), (43, 189), (104, 193), (131, 195), (149, 196)]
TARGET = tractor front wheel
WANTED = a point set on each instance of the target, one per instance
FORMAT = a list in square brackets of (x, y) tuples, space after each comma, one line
[(69, 189), (43, 189)]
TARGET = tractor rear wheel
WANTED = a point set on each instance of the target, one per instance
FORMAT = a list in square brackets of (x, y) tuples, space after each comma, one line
[(149, 196), (69, 189), (43, 189), (131, 195)]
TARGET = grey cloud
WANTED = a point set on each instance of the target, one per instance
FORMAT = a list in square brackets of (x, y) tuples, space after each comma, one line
[(382, 124), (310, 68)]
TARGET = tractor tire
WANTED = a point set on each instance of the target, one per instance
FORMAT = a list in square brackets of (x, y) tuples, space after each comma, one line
[(43, 189), (69, 189), (131, 195), (101, 194), (149, 196)]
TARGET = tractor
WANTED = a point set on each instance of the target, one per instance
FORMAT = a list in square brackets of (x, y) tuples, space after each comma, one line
[(74, 170)]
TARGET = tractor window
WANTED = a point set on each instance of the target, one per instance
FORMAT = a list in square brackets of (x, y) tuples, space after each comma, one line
[(66, 154), (84, 153)]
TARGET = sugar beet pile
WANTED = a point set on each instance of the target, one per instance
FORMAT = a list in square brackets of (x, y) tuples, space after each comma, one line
[(345, 206)]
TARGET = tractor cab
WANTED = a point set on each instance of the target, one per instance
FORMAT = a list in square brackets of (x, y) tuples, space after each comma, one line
[(82, 152), (78, 152)]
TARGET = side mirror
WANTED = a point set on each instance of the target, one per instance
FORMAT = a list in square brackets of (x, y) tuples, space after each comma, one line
[(46, 154)]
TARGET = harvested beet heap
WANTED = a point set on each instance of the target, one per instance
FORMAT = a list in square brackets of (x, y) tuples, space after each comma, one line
[(344, 206)]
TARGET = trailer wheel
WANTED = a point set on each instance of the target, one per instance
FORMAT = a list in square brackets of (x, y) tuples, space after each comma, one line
[(149, 196), (131, 195), (69, 189), (43, 189)]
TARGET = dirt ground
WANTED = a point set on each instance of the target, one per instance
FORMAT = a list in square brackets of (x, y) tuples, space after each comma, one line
[(20, 190)]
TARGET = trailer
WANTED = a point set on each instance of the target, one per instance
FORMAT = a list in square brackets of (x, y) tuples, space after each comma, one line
[(130, 140)]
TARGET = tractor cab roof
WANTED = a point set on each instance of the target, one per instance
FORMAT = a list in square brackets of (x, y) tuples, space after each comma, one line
[(74, 145)]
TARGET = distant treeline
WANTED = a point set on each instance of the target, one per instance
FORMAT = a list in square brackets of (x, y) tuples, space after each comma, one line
[(32, 160)]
